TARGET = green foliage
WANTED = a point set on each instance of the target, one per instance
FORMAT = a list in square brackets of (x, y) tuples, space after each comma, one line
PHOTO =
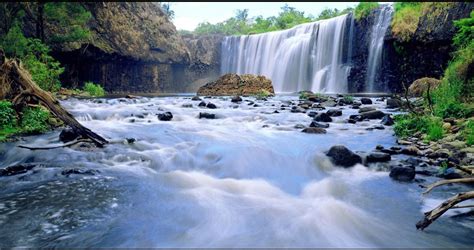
[(469, 132), (408, 124), (241, 24), (71, 18), (465, 33), (94, 89), (405, 19), (304, 95), (263, 94), (363, 9), (7, 115), (348, 99), (35, 120), (443, 168), (434, 129), (44, 69)]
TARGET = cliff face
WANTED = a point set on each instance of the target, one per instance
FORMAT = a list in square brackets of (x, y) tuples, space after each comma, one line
[(133, 48), (426, 54)]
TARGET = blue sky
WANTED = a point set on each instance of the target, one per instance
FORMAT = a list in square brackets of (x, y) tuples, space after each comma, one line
[(188, 15)]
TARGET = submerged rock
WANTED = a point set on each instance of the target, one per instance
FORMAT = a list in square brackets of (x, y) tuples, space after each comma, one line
[(366, 100), (233, 84), (375, 114), (211, 106), (207, 116), (366, 109), (393, 103), (315, 124), (402, 173), (196, 98), (342, 156), (314, 130), (378, 157), (322, 117), (68, 134), (17, 169), (236, 99), (387, 120), (334, 112), (166, 116), (68, 172)]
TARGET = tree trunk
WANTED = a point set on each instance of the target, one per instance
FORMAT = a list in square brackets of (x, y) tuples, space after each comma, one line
[(14, 78)]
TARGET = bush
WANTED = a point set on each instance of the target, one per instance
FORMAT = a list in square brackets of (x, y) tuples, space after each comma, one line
[(7, 115), (363, 9), (434, 129), (94, 89), (469, 132), (465, 33), (35, 120), (408, 124), (348, 99), (263, 94)]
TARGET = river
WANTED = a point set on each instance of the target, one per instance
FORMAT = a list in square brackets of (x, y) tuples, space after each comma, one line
[(245, 179)]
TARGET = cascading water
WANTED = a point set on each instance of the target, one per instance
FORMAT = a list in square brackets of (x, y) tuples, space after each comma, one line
[(377, 35), (307, 57)]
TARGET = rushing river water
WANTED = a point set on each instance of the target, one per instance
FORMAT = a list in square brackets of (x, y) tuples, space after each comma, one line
[(245, 179)]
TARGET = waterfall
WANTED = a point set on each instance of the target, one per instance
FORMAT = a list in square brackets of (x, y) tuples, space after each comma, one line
[(306, 57), (377, 35)]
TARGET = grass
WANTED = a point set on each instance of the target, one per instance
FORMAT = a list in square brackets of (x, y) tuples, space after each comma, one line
[(263, 94), (408, 124), (469, 132), (348, 99), (434, 129), (94, 90), (363, 9)]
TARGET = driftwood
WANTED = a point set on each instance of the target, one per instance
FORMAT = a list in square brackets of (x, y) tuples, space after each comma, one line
[(450, 203), (19, 81), (442, 208), (444, 182), (57, 146)]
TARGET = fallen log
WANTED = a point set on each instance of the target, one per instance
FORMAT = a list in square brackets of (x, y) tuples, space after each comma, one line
[(18, 82), (434, 214), (53, 147), (444, 182)]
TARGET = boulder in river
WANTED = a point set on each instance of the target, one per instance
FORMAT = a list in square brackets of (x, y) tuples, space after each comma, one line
[(387, 120), (68, 134), (233, 84), (342, 156), (322, 117), (366, 109), (402, 173), (315, 124), (202, 104), (366, 100), (236, 99), (314, 130), (374, 114), (393, 103), (334, 112), (211, 105), (207, 116), (196, 98), (378, 157), (17, 169), (166, 116)]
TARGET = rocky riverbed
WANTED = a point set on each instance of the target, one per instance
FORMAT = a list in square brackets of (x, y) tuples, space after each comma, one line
[(226, 171)]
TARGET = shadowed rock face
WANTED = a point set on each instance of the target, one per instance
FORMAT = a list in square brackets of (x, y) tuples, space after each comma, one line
[(233, 84)]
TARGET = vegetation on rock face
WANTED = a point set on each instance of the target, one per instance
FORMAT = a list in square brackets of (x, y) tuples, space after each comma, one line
[(94, 90), (452, 99), (363, 9), (407, 16), (241, 24)]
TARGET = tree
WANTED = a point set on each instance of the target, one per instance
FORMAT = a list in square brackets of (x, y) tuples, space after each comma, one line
[(167, 9), (242, 15)]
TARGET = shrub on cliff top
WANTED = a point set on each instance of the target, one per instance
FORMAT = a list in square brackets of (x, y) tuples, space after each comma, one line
[(363, 9)]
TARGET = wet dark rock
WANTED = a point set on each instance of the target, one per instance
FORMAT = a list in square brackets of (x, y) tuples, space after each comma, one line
[(187, 105), (299, 126), (256, 105), (352, 121), (315, 98), (402, 173), (211, 106), (236, 99), (375, 114), (450, 173), (313, 130), (276, 111), (265, 126), (355, 106), (334, 112), (355, 117), (140, 116), (130, 140), (68, 134), (322, 117), (196, 98), (202, 104), (387, 120), (393, 103), (411, 150), (312, 113), (68, 172), (342, 156), (379, 127), (296, 109), (166, 116), (17, 169), (378, 157), (366, 109), (366, 100), (412, 161), (315, 124), (389, 151), (379, 147), (207, 116)]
